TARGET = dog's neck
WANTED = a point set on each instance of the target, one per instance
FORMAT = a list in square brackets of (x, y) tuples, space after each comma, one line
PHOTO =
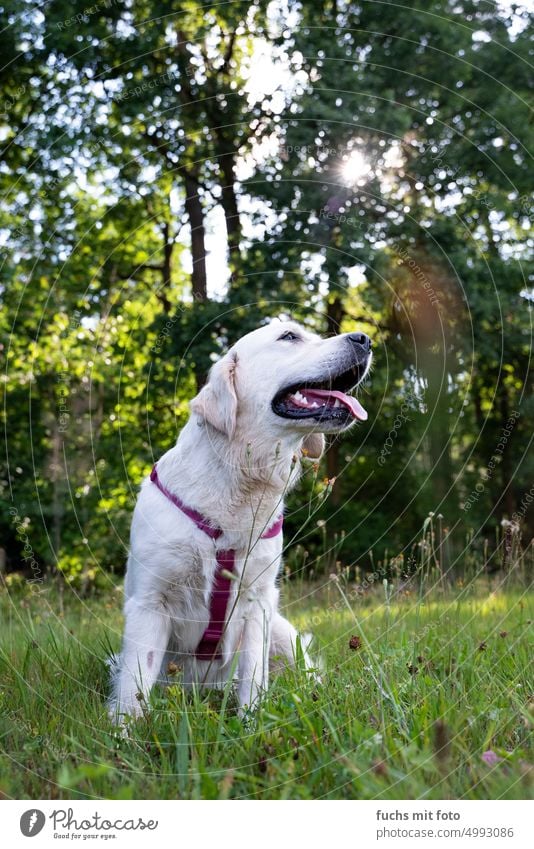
[(229, 480)]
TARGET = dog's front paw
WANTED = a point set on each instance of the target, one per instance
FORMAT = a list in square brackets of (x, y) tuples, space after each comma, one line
[(249, 711), (122, 712), (248, 715)]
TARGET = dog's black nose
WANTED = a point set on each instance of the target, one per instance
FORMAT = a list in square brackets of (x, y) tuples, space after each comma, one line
[(361, 339)]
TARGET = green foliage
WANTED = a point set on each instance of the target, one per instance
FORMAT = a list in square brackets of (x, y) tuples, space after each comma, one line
[(128, 128)]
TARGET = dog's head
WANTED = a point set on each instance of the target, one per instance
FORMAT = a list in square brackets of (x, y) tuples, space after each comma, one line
[(281, 378)]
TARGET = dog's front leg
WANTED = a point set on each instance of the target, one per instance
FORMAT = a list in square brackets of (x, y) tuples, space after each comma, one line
[(285, 647), (284, 644), (253, 667), (146, 637)]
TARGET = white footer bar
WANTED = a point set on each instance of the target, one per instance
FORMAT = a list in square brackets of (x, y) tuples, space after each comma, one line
[(268, 825)]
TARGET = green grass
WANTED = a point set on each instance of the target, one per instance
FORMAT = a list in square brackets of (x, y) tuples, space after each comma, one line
[(435, 684)]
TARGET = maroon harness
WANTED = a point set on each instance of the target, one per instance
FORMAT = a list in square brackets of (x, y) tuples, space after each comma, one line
[(209, 646)]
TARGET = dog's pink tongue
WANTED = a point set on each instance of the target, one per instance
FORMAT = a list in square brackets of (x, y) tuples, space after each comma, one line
[(348, 401)]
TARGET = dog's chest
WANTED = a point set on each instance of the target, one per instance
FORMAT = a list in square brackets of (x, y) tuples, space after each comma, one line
[(251, 571), (257, 564), (251, 586)]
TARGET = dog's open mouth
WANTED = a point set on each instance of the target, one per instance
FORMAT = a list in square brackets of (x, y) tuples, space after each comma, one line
[(326, 400)]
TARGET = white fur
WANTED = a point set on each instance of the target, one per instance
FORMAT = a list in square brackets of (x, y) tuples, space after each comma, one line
[(234, 462)]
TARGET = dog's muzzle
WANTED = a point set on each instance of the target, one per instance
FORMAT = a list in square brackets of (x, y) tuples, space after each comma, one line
[(327, 400)]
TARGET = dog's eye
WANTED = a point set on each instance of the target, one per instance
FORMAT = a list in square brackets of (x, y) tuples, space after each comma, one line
[(288, 336)]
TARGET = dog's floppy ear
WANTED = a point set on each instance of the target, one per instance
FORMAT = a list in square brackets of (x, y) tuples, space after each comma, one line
[(313, 445), (217, 400)]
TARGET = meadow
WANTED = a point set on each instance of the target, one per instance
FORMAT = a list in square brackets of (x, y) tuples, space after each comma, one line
[(174, 176), (424, 695)]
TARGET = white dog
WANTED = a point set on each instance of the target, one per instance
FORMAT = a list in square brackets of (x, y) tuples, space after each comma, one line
[(205, 542)]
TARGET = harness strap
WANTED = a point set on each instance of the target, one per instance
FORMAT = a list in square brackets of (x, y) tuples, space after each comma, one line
[(209, 646), (196, 517)]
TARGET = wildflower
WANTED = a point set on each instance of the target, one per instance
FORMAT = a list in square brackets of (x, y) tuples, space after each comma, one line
[(380, 768), (413, 670), (442, 742), (483, 646), (355, 643), (526, 770), (503, 634), (172, 668), (490, 758), (226, 783)]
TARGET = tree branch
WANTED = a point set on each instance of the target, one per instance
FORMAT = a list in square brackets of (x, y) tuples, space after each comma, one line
[(228, 52)]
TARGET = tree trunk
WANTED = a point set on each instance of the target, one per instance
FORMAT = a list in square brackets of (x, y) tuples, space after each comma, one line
[(506, 466), (56, 470), (166, 270), (477, 402), (434, 367), (231, 213), (195, 214), (335, 312), (332, 470)]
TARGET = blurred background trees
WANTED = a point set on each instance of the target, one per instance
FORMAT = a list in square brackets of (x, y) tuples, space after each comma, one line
[(173, 174)]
